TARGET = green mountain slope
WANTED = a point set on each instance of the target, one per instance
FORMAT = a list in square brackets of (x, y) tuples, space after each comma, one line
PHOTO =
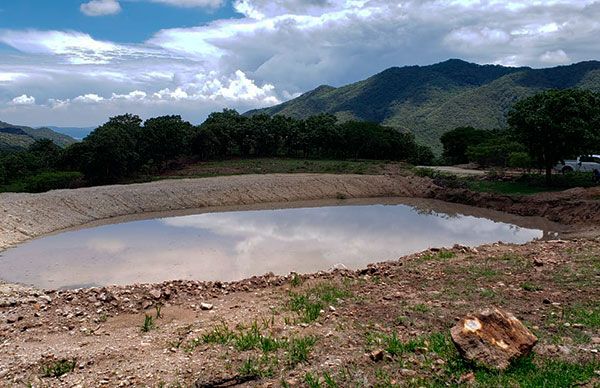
[(16, 137), (430, 100)]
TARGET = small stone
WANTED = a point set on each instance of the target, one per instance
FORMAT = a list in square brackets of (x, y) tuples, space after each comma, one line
[(376, 355), (12, 318), (156, 294), (547, 301), (206, 306), (46, 298), (538, 262), (595, 340), (492, 337), (467, 378), (332, 309)]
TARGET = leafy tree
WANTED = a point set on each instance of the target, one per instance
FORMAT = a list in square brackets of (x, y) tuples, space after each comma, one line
[(495, 151), (457, 141), (112, 150), (164, 138), (556, 124)]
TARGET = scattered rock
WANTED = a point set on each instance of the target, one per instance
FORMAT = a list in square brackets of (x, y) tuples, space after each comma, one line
[(595, 340), (155, 293), (12, 318), (467, 378), (493, 338), (376, 355), (206, 306)]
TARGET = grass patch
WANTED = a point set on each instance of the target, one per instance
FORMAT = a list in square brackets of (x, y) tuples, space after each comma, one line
[(528, 372), (299, 349), (148, 323), (531, 287), (587, 315), (309, 304), (276, 166), (58, 368)]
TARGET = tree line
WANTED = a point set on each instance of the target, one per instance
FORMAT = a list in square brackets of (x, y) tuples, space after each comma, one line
[(127, 147), (543, 130)]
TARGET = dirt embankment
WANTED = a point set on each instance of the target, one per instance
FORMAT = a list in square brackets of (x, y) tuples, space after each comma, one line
[(25, 216), (570, 207)]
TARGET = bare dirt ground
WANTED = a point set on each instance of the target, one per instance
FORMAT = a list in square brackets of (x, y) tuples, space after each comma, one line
[(285, 331), (309, 330)]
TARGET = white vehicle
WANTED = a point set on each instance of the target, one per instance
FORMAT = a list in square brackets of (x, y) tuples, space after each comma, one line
[(584, 163)]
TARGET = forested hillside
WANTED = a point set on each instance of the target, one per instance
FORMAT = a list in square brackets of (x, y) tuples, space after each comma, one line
[(430, 100), (15, 137)]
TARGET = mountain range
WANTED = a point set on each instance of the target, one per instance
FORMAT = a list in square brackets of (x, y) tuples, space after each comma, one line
[(17, 137), (430, 100)]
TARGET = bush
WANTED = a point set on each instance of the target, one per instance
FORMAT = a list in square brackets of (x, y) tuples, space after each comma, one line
[(46, 181), (519, 160)]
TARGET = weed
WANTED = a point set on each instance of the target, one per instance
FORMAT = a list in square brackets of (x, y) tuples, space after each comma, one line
[(58, 368), (296, 280), (298, 350), (445, 255), (312, 381), (310, 303), (221, 334), (148, 323), (420, 308), (158, 309), (531, 287)]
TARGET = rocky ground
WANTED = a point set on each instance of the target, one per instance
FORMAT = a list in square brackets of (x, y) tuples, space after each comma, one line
[(385, 325)]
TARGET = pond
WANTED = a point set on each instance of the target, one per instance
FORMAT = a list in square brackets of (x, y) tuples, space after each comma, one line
[(232, 245)]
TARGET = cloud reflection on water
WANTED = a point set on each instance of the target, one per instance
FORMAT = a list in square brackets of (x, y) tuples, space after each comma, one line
[(235, 245)]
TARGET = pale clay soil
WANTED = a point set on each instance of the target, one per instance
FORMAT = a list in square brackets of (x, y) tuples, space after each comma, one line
[(100, 328)]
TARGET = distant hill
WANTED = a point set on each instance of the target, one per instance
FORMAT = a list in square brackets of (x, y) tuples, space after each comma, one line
[(17, 137), (430, 100), (75, 132)]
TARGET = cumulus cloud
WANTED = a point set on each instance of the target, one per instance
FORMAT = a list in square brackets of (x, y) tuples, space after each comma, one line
[(23, 100), (280, 48), (555, 57), (100, 7)]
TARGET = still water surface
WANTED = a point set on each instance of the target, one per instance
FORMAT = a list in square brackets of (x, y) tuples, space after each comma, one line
[(238, 244)]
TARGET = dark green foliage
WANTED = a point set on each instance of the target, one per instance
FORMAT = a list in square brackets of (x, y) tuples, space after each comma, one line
[(164, 138), (495, 151), (112, 150), (227, 134), (50, 180), (456, 142), (58, 368), (557, 124)]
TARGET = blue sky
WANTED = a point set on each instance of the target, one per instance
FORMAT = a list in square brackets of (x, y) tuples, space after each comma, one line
[(136, 22), (78, 62)]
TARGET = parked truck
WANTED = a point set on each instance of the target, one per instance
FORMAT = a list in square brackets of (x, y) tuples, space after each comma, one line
[(584, 163)]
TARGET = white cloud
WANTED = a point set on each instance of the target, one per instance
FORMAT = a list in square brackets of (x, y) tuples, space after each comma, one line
[(100, 7), (277, 49), (23, 100), (555, 57)]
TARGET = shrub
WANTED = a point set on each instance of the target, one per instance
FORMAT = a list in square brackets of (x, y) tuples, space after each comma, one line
[(46, 181)]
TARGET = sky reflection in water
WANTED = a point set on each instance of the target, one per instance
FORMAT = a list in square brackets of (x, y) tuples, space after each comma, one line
[(235, 245)]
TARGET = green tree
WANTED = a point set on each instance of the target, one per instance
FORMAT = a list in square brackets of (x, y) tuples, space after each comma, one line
[(164, 138), (556, 124), (112, 150), (457, 141)]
